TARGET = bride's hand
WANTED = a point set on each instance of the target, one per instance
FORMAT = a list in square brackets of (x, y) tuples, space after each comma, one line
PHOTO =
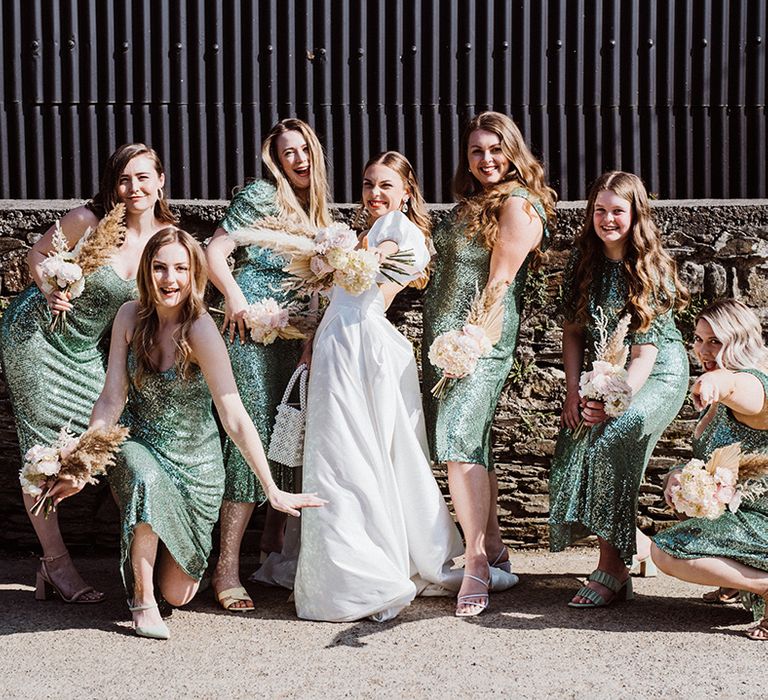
[(291, 502)]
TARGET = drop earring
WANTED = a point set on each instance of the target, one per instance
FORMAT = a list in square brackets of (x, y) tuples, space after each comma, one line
[(404, 207)]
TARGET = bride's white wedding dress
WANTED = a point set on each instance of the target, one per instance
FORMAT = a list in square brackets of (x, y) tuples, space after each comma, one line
[(385, 535)]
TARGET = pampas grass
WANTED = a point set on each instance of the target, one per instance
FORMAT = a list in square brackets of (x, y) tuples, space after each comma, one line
[(96, 246), (95, 452), (487, 310)]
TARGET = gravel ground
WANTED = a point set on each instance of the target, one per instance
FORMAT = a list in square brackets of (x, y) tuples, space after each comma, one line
[(665, 643)]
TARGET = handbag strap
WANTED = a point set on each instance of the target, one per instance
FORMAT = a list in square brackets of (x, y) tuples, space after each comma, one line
[(299, 373)]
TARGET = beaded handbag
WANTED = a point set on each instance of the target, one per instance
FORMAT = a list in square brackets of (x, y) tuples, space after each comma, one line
[(286, 445)]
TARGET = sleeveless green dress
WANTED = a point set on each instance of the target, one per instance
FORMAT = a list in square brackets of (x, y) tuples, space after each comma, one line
[(170, 472), (459, 425), (742, 535), (54, 378), (261, 371), (595, 481)]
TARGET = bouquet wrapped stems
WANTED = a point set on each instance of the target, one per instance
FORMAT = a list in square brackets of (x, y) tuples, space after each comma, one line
[(81, 458), (457, 352), (607, 380)]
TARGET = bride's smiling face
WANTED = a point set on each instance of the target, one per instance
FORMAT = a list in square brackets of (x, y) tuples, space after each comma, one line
[(383, 190)]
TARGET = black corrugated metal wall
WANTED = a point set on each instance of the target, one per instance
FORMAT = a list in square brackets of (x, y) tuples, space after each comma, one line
[(671, 89)]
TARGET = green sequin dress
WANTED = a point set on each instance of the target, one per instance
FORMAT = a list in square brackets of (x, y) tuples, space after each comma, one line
[(595, 481), (742, 535), (170, 472), (55, 377), (261, 371), (459, 425)]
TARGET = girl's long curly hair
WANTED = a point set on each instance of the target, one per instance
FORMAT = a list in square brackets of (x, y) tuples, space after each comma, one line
[(479, 207), (417, 209), (317, 213), (648, 268), (144, 339)]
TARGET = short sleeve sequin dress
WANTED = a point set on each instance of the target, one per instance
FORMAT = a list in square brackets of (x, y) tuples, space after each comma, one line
[(595, 481), (170, 472), (459, 425), (261, 371), (56, 377), (742, 535)]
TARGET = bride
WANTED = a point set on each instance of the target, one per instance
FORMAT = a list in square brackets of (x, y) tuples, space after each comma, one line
[(385, 535)]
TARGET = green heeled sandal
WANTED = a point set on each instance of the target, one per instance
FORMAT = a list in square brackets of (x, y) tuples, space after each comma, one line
[(622, 591), (160, 631)]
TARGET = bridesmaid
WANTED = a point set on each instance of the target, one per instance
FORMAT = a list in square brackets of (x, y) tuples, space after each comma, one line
[(618, 266), (294, 157), (495, 234), (54, 377), (732, 551), (167, 358)]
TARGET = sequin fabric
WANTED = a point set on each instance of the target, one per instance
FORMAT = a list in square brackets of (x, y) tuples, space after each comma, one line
[(54, 378), (261, 371), (594, 482), (742, 535), (459, 425), (170, 472)]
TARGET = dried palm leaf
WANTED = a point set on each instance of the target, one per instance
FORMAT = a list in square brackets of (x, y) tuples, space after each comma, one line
[(726, 457)]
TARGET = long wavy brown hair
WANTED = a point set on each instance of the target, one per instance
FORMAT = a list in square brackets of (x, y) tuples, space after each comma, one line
[(144, 340), (317, 212), (481, 207), (651, 273), (417, 208), (105, 200)]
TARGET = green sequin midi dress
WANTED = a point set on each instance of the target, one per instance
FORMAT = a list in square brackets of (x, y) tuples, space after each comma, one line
[(261, 371), (56, 377), (742, 535), (595, 481), (459, 425), (170, 472)]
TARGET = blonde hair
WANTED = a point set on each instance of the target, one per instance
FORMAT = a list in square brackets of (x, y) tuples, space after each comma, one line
[(648, 268), (317, 213), (147, 323), (738, 328), (480, 207)]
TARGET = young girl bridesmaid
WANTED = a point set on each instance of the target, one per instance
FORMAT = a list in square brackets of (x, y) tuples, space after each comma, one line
[(618, 267), (299, 192)]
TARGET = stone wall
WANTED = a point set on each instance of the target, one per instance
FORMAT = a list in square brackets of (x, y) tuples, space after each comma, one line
[(721, 247)]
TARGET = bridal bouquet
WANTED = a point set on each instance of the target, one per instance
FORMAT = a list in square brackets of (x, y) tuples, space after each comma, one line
[(607, 380), (82, 458), (457, 352), (705, 490), (66, 269), (268, 320), (322, 258)]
